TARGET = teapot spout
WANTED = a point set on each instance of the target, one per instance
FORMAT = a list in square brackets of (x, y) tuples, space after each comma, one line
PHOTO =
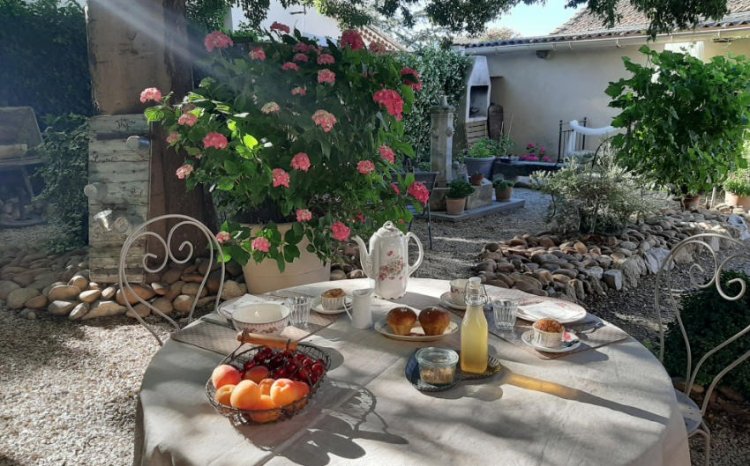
[(364, 257)]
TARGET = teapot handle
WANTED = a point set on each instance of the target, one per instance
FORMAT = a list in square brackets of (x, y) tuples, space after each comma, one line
[(415, 266)]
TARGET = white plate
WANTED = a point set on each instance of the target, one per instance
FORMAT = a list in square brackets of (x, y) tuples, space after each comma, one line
[(445, 300), (573, 340), (417, 333), (562, 311), (318, 307)]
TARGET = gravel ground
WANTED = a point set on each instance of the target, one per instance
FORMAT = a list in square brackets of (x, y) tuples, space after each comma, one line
[(69, 389)]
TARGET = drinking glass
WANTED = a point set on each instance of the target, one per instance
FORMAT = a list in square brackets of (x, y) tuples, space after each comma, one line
[(504, 311), (300, 310)]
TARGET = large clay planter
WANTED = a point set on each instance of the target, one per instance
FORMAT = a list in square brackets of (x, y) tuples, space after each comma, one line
[(735, 200), (503, 195), (265, 276), (455, 206)]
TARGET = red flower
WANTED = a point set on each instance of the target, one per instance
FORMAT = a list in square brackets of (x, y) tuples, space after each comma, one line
[(340, 231), (276, 26), (217, 40), (419, 192), (351, 38), (387, 153), (365, 167), (392, 102)]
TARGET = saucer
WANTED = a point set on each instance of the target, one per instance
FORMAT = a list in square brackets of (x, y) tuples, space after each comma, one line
[(318, 307), (445, 299), (572, 342)]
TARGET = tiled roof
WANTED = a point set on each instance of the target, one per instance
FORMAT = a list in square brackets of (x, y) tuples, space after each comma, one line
[(584, 26)]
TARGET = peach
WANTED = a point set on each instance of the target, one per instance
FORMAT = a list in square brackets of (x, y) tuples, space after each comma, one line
[(265, 403), (245, 395), (224, 393), (225, 375), (286, 391), (256, 374), (265, 386)]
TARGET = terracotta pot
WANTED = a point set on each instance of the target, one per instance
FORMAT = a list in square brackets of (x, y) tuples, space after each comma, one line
[(735, 200), (455, 206), (476, 179), (265, 276), (689, 201), (503, 195)]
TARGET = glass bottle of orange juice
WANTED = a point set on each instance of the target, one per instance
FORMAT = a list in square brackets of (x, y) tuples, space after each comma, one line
[(474, 331)]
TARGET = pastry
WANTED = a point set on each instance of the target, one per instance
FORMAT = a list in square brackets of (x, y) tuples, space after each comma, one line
[(401, 320), (332, 299), (434, 321)]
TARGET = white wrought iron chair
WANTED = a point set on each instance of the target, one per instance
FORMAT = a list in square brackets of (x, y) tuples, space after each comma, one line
[(187, 249), (700, 278)]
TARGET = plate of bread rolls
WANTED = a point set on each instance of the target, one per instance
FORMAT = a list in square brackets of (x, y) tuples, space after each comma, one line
[(409, 324)]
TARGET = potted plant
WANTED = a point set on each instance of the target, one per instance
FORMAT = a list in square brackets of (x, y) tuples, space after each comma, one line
[(286, 150), (480, 157), (503, 189), (737, 189), (455, 198), (688, 144)]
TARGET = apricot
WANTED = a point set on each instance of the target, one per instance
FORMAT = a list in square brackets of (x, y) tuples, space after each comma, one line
[(256, 374), (224, 393), (225, 375), (265, 386), (286, 391), (265, 403), (245, 395)]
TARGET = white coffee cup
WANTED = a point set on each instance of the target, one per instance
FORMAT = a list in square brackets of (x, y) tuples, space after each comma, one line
[(360, 310), (458, 291)]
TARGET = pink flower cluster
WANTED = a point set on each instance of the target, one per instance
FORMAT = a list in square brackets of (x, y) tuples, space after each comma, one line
[(223, 237), (270, 107), (215, 140), (187, 119), (326, 76), (300, 57), (304, 215), (257, 54), (365, 167), (150, 93), (217, 40), (352, 39), (340, 231), (412, 78), (173, 137), (324, 119), (326, 59), (299, 91), (261, 244), (387, 154), (184, 171), (301, 162), (276, 26), (280, 178), (392, 102), (419, 192), (289, 66)]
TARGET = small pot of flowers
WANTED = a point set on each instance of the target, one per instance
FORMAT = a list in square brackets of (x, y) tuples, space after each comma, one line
[(503, 189), (455, 199)]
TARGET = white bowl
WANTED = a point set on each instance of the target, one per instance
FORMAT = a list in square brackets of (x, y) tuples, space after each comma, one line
[(269, 318)]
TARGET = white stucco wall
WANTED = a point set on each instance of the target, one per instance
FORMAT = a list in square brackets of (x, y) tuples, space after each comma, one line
[(306, 19), (537, 93)]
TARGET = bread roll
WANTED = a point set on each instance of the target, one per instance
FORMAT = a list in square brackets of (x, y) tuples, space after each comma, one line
[(401, 320), (434, 321)]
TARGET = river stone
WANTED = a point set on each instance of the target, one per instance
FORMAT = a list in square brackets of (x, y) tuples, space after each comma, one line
[(144, 292), (183, 303), (18, 297), (192, 289), (232, 290), (164, 305), (109, 292), (104, 309), (63, 292), (141, 309), (79, 311), (37, 302), (89, 296), (613, 279), (60, 307), (6, 286), (172, 275), (80, 281)]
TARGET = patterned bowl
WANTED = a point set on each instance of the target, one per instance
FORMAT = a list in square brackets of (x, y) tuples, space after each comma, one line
[(267, 318)]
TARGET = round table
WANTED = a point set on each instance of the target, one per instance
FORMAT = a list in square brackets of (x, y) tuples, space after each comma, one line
[(612, 405)]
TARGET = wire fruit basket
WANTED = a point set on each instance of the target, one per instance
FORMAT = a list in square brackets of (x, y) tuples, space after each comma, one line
[(239, 360)]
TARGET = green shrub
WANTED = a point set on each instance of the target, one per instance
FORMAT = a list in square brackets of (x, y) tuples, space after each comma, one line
[(44, 57), (593, 198), (65, 172), (459, 189), (709, 320)]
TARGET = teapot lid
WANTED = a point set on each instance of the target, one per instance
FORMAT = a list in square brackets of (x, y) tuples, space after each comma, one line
[(389, 229)]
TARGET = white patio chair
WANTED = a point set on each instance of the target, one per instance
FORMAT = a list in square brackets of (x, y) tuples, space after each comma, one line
[(148, 260), (700, 278)]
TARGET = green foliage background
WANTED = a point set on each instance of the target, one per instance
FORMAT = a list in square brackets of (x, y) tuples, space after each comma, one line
[(709, 320)]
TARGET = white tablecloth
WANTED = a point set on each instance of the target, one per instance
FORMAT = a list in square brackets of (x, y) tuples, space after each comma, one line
[(613, 405)]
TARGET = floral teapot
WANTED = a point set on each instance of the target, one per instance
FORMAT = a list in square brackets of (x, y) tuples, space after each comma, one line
[(388, 260)]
